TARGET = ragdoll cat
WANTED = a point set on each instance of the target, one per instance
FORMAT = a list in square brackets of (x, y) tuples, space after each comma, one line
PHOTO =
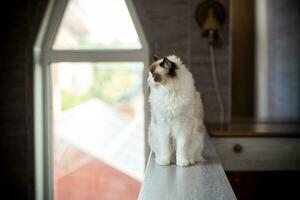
[(176, 129)]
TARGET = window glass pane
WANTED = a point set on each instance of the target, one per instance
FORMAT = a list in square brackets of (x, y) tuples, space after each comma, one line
[(98, 130), (97, 24)]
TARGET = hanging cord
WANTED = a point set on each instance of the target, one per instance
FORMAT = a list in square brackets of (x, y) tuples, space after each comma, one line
[(215, 78)]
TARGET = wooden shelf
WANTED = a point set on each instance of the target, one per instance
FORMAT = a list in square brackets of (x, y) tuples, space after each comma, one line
[(255, 129)]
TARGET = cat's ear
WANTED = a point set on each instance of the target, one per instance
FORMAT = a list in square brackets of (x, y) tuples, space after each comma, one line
[(155, 58)]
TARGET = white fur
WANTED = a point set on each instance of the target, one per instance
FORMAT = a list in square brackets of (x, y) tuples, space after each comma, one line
[(176, 118)]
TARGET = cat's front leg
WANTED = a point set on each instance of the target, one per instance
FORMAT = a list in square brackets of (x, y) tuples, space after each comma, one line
[(163, 151), (182, 133)]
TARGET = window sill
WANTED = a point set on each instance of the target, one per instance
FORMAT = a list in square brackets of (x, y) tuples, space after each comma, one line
[(200, 181)]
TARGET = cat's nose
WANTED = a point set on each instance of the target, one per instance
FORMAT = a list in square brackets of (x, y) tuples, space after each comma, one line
[(157, 77)]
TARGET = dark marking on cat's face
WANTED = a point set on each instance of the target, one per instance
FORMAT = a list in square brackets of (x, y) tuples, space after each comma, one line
[(157, 77), (171, 67), (163, 70)]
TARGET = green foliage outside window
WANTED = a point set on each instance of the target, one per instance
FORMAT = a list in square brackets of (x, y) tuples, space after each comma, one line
[(115, 84)]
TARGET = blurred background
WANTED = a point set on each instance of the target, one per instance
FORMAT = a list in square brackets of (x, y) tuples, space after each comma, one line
[(245, 59)]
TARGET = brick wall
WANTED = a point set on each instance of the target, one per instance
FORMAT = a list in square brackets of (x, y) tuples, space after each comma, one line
[(19, 25), (171, 28)]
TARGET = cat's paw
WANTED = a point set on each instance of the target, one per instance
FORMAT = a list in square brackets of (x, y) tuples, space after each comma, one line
[(192, 161), (163, 160), (201, 159), (182, 162)]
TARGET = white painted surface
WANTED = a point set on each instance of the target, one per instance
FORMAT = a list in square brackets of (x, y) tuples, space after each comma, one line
[(258, 154), (205, 181)]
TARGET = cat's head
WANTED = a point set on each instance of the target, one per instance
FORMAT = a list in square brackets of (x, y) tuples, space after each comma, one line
[(163, 70)]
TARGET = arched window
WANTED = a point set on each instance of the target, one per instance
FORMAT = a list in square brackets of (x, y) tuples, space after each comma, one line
[(89, 98)]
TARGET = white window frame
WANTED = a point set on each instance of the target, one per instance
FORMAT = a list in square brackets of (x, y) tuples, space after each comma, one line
[(44, 55)]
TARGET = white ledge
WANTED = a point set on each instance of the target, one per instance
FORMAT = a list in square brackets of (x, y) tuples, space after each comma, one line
[(205, 181)]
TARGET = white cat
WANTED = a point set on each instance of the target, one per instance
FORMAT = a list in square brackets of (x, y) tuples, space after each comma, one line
[(176, 113)]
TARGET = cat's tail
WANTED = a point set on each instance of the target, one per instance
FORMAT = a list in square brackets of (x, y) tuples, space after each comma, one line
[(199, 128), (199, 113)]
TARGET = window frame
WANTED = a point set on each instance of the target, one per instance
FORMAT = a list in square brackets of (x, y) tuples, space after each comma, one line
[(44, 55)]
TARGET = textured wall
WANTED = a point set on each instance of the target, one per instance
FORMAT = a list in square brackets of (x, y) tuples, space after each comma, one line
[(171, 29), (19, 25), (284, 59)]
